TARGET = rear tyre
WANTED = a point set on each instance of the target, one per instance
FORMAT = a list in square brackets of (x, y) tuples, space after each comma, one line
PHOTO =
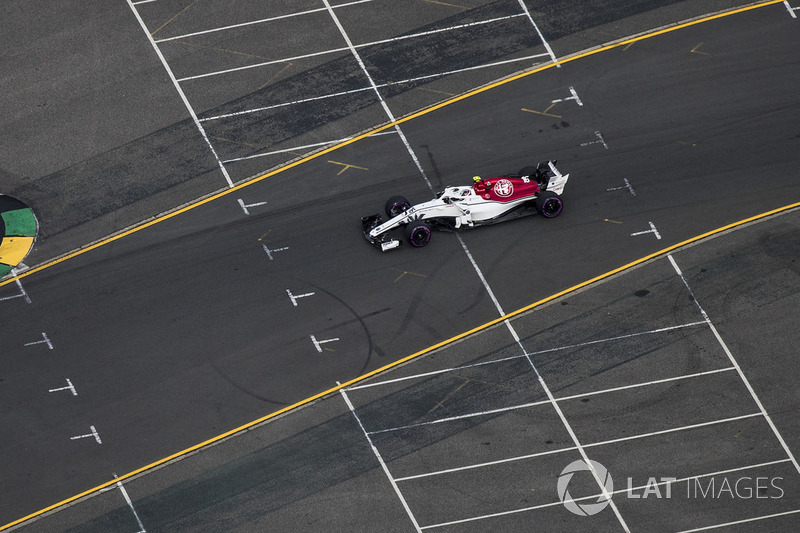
[(528, 171), (396, 205), (549, 204), (418, 233)]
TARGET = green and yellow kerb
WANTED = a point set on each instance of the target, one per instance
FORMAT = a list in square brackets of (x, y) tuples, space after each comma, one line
[(18, 229)]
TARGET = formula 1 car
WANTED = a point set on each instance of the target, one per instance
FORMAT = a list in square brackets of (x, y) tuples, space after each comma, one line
[(487, 201)]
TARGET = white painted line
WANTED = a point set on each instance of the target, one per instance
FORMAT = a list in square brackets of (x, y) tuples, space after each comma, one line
[(672, 430), (626, 186), (549, 394), (539, 33), (386, 109), (245, 206), (22, 293), (460, 70), (180, 92), (495, 515), (433, 373), (298, 148), (478, 271), (791, 9), (488, 463), (646, 384), (745, 521), (130, 505), (620, 337), (70, 387), (270, 252), (350, 47), (259, 65), (652, 230), (600, 140), (462, 417), (93, 433), (486, 285), (293, 149), (592, 497), (295, 297), (549, 350), (379, 458), (11, 297), (439, 30), (45, 341), (364, 89), (560, 399), (573, 97), (318, 344), (733, 361), (260, 21), (629, 186), (286, 104), (572, 448)]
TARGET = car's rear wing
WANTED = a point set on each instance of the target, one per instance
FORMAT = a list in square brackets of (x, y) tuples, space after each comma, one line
[(557, 180)]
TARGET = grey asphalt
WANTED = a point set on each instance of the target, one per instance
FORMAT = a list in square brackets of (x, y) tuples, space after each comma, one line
[(96, 136), (314, 470), (184, 330)]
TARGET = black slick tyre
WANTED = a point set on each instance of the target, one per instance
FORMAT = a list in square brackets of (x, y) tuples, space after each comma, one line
[(396, 205), (418, 233), (549, 204)]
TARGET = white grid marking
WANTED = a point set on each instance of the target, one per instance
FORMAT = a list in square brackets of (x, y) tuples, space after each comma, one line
[(480, 275), (350, 47), (595, 496), (181, 93), (735, 365), (380, 460)]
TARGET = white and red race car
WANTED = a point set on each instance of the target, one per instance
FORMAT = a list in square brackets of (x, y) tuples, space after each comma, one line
[(487, 201)]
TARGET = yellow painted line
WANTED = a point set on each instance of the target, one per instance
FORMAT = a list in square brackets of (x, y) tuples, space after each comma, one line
[(274, 76), (346, 166), (695, 50), (379, 129), (545, 113), (178, 14), (407, 358)]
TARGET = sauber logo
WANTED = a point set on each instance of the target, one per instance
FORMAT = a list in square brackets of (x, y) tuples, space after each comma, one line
[(503, 188)]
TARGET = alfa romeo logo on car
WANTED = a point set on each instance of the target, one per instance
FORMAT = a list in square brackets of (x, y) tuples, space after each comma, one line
[(503, 188), (584, 508)]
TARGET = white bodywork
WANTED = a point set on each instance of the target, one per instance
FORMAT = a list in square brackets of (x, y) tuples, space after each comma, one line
[(463, 206)]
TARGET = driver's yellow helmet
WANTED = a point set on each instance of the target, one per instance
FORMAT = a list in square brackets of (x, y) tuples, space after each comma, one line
[(476, 179)]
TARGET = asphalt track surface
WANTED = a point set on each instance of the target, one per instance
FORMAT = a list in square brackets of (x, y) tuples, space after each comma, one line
[(176, 333)]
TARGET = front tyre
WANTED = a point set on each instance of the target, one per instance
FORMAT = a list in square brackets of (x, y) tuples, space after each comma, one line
[(396, 205), (418, 233), (549, 204)]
